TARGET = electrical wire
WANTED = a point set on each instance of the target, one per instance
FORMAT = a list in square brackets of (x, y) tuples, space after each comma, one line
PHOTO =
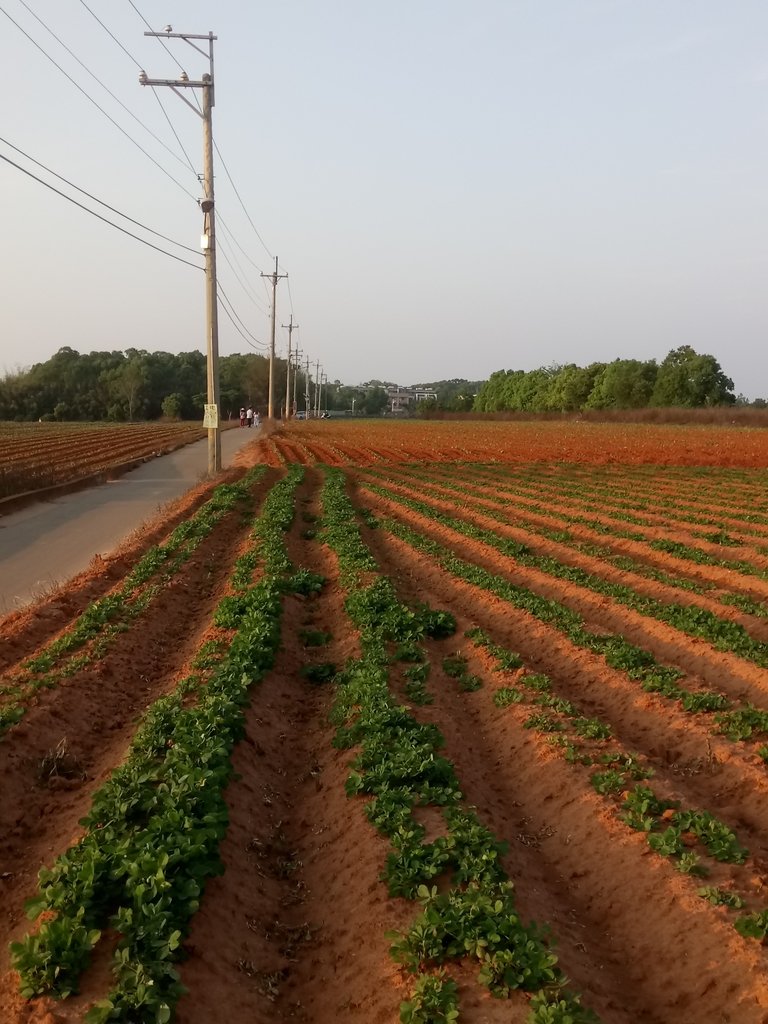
[(245, 211), (169, 52), (93, 101), (97, 215), (114, 37), (234, 313), (96, 199), (220, 220), (95, 77), (222, 252), (222, 234), (244, 333), (175, 134), (138, 65)]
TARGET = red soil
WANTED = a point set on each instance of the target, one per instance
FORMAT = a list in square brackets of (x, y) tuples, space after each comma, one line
[(294, 928)]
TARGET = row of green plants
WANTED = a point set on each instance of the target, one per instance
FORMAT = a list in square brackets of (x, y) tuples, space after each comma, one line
[(152, 835), (103, 620), (620, 777), (400, 768), (525, 510), (562, 536), (743, 602), (723, 634), (653, 503), (736, 722), (600, 511), (682, 506), (688, 552)]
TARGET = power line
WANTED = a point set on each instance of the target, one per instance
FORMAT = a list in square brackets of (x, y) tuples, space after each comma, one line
[(235, 242), (242, 276), (96, 199), (290, 296), (244, 333), (98, 107), (226, 169), (95, 77), (240, 281), (169, 52), (170, 125), (97, 215), (126, 52)]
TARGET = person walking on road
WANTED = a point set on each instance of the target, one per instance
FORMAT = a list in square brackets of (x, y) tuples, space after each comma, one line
[(242, 417), (249, 416)]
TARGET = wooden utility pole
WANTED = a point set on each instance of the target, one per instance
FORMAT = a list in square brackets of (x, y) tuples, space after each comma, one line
[(290, 327), (295, 382), (317, 387), (205, 84), (306, 392), (274, 278)]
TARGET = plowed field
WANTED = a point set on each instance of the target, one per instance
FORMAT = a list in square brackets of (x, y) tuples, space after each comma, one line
[(423, 723), (38, 455)]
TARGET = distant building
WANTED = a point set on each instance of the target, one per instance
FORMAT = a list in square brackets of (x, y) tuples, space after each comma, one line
[(400, 399)]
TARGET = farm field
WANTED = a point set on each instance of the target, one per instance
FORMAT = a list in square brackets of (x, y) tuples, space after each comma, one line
[(38, 455), (419, 722)]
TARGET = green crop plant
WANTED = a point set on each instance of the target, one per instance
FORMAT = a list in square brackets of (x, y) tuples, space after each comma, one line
[(507, 695), (399, 767), (434, 1000), (152, 834), (721, 897)]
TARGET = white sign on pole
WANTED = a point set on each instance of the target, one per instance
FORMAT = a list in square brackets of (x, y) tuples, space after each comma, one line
[(211, 417)]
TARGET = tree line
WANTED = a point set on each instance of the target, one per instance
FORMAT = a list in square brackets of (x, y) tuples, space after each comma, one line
[(683, 379), (140, 385)]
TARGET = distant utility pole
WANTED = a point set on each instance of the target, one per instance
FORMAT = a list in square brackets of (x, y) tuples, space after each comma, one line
[(317, 387), (209, 227), (295, 381), (306, 391), (274, 278), (290, 327)]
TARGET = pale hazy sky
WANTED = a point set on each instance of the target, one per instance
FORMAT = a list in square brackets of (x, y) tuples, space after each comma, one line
[(454, 187)]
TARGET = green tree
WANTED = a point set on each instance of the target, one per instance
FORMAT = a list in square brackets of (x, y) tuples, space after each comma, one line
[(129, 382), (624, 384), (172, 406), (688, 379), (570, 387)]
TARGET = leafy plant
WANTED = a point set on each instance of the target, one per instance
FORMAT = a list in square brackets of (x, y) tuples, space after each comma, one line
[(721, 897), (507, 695), (322, 672), (314, 637), (434, 1000)]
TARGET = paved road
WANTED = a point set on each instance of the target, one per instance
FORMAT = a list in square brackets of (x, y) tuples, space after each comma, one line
[(46, 544)]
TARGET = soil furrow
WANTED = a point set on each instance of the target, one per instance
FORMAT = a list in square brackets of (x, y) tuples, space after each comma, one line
[(454, 504), (620, 915), (295, 927), (712, 773), (725, 672)]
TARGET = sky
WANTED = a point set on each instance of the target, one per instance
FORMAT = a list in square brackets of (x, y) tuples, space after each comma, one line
[(453, 188)]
